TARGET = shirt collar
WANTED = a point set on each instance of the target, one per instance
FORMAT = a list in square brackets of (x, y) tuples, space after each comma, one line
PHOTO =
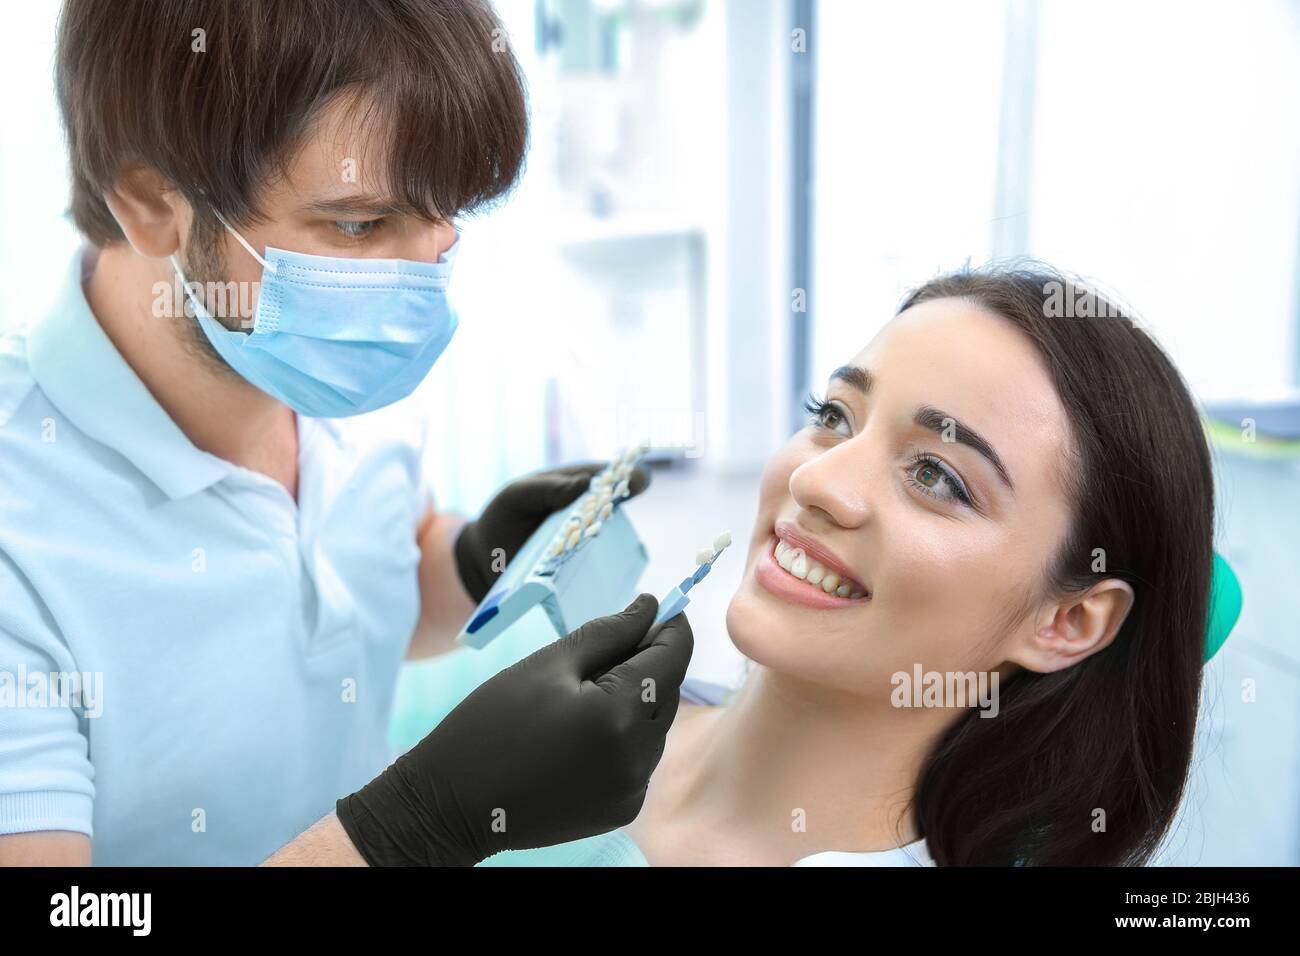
[(86, 378)]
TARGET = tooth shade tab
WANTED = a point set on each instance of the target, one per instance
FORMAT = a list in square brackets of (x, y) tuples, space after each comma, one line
[(709, 555), (676, 600)]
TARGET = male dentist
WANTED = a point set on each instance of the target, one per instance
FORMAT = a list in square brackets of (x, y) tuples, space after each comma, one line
[(192, 512)]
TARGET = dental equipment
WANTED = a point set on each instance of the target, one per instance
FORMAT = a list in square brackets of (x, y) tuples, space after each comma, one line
[(675, 601), (582, 563)]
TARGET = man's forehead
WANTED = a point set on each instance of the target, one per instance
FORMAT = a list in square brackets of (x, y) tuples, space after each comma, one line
[(341, 164)]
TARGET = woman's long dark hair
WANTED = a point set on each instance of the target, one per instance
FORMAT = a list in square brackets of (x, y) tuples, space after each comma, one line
[(1086, 766)]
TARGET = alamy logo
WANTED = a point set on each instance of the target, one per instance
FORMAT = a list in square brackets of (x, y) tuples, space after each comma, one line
[(223, 300), (81, 690), (1065, 300), (102, 909), (946, 689)]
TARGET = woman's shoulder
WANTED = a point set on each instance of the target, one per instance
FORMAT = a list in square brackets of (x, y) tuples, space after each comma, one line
[(916, 853)]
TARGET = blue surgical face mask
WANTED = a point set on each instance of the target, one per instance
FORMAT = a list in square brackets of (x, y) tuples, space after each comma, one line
[(334, 337)]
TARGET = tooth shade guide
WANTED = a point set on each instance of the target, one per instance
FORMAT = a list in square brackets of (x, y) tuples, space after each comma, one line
[(584, 562), (592, 509)]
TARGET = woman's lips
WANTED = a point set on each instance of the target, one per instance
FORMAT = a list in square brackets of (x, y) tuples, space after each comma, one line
[(773, 578), (795, 537)]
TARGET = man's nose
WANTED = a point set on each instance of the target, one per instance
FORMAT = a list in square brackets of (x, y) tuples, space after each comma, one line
[(434, 239)]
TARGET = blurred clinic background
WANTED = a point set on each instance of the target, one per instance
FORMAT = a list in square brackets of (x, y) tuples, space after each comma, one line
[(725, 199)]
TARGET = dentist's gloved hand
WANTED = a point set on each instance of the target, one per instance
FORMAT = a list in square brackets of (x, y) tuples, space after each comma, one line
[(510, 519), (557, 747)]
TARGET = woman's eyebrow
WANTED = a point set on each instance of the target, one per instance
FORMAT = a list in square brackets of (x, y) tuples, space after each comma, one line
[(859, 378), (931, 419), (943, 424)]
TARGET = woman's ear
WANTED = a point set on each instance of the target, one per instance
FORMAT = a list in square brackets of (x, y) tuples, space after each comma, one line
[(149, 210), (1075, 627)]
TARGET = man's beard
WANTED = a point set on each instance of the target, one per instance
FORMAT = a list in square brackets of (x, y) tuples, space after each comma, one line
[(204, 263)]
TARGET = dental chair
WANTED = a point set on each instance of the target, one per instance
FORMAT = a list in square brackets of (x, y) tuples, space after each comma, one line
[(1225, 606)]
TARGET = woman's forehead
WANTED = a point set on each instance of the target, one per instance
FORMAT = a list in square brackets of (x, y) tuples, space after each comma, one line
[(954, 349), (959, 357)]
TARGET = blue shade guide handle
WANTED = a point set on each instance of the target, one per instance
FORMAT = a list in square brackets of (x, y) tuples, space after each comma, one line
[(674, 603), (486, 613)]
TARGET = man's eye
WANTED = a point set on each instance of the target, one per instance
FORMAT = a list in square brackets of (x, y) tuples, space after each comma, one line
[(357, 229)]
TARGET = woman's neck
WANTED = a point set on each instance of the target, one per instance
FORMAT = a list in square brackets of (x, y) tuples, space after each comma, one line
[(797, 769)]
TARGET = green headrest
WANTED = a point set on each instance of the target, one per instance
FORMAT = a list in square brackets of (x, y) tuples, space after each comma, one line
[(1225, 606)]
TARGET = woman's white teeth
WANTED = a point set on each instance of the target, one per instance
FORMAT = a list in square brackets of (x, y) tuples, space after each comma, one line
[(798, 564), (784, 555), (799, 567)]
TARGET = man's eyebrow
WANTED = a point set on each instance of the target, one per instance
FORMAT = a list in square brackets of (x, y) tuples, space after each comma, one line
[(931, 419), (359, 205), (942, 423)]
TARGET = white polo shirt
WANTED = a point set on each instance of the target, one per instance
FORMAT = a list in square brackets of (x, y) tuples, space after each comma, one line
[(236, 652)]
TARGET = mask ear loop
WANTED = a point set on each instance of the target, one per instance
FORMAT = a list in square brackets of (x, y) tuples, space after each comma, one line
[(269, 266)]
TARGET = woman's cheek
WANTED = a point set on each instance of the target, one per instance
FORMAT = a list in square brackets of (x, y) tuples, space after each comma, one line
[(774, 485), (923, 562), (950, 593)]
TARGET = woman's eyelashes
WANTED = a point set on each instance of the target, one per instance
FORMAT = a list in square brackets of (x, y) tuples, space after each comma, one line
[(929, 474), (828, 415)]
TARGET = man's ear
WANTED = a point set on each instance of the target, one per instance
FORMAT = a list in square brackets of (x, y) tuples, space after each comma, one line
[(150, 211), (1075, 627)]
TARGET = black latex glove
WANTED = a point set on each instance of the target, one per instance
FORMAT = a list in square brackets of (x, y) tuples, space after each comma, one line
[(557, 747), (518, 510)]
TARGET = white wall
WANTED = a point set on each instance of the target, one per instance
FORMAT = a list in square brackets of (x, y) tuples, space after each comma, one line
[(1167, 164), (36, 241), (1162, 162), (905, 156)]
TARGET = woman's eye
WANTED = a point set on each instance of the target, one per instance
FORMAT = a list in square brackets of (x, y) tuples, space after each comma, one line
[(828, 415), (356, 228), (935, 479), (831, 417)]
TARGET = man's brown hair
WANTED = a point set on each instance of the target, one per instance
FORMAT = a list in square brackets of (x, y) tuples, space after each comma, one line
[(216, 94)]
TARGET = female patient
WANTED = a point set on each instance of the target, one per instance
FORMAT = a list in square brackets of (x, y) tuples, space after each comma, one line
[(996, 486)]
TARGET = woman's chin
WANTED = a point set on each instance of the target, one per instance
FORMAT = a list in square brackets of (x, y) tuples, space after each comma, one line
[(769, 634), (745, 625), (785, 639)]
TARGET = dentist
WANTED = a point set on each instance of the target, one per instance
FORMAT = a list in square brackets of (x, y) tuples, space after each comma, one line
[(191, 510)]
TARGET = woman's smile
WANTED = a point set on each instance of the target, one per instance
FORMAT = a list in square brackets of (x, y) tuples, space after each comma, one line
[(795, 567)]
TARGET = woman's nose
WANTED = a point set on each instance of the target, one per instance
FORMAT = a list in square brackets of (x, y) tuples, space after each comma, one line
[(836, 482)]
